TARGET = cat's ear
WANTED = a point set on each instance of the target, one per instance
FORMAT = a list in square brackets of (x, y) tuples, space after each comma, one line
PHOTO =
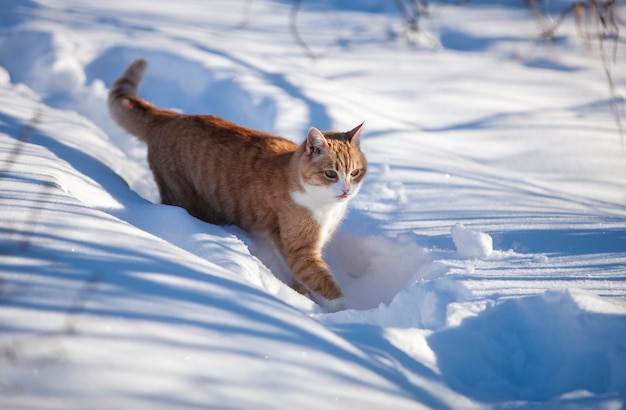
[(315, 142), (354, 135)]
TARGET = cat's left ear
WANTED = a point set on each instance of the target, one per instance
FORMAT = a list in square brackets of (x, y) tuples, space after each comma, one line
[(354, 136), (315, 142)]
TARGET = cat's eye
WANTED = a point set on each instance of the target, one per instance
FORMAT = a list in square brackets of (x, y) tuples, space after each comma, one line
[(330, 174), (355, 173)]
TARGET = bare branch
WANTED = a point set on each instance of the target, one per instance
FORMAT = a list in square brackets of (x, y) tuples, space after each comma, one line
[(25, 134), (603, 17), (293, 26)]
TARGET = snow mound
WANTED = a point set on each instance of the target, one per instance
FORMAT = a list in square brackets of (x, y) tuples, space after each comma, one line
[(470, 243), (535, 348), (423, 305), (373, 269)]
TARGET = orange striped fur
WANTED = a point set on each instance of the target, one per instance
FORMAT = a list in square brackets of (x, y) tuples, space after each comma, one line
[(223, 173)]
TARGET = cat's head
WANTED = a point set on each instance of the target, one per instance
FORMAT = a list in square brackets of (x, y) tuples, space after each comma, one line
[(332, 166)]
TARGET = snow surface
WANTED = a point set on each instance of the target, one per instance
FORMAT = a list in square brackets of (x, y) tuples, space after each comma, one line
[(484, 259)]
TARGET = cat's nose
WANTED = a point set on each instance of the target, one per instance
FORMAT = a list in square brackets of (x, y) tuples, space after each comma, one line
[(345, 193)]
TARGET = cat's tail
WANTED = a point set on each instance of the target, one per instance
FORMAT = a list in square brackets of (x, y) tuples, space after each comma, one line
[(129, 111)]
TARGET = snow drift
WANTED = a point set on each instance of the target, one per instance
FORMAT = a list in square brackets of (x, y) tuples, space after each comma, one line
[(484, 259)]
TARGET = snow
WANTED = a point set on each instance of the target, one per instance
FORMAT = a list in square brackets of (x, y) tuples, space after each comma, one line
[(470, 243), (483, 260)]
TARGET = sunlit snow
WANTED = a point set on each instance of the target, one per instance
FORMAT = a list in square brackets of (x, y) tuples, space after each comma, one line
[(484, 260)]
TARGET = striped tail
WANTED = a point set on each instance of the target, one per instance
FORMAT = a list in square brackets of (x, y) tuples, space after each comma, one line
[(129, 111)]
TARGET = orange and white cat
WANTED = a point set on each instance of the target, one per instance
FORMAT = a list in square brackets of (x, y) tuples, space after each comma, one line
[(224, 173)]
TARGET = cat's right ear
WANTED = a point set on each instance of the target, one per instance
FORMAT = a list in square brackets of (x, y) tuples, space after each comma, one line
[(315, 142), (354, 135)]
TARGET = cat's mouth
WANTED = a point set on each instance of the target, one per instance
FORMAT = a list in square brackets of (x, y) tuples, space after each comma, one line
[(344, 195)]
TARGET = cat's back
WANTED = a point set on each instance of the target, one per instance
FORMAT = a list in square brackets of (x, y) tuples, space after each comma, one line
[(222, 172), (221, 135)]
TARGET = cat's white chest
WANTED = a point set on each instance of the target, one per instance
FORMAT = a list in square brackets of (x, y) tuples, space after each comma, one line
[(326, 214), (328, 218)]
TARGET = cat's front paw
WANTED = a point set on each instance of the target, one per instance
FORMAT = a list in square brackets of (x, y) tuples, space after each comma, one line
[(335, 305)]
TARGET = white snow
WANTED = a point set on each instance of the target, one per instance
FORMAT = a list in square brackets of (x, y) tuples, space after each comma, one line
[(483, 260), (470, 243)]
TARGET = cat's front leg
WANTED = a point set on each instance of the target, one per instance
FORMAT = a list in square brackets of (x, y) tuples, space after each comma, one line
[(310, 273), (329, 305), (313, 276), (332, 306), (317, 296)]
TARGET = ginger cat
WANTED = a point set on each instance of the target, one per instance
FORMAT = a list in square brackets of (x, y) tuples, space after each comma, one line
[(223, 173)]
